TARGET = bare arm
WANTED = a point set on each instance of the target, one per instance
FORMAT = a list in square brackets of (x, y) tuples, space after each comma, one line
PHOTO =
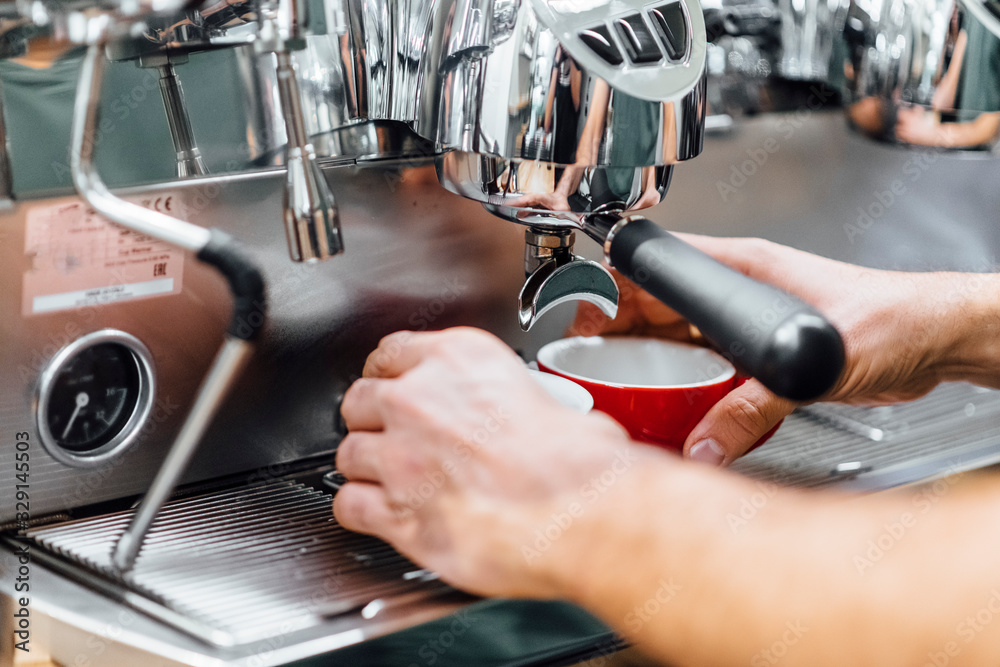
[(805, 579), (462, 463), (944, 96)]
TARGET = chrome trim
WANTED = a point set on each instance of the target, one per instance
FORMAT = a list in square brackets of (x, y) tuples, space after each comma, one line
[(130, 431), (610, 238), (312, 221), (916, 73)]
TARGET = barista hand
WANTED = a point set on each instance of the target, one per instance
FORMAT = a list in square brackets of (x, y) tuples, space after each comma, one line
[(456, 456), (462, 463), (904, 333)]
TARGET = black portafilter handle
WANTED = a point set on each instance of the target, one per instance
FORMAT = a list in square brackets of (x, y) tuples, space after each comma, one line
[(773, 336)]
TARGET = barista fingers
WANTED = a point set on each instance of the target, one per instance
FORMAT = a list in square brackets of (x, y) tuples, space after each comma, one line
[(22, 622)]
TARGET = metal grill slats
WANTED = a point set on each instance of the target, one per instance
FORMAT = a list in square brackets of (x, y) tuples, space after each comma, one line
[(953, 421), (253, 563)]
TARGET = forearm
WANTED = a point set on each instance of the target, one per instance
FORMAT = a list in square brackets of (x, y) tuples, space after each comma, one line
[(702, 568), (976, 132)]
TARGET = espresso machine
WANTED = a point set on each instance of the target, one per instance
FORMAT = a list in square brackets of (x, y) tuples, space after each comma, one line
[(212, 213)]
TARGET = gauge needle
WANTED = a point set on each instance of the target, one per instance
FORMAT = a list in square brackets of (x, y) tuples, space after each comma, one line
[(81, 402)]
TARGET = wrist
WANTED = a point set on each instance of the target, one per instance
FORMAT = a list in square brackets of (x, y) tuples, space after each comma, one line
[(588, 556), (968, 317), (644, 510)]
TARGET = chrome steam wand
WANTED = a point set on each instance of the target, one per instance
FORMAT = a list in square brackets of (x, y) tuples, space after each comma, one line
[(211, 246)]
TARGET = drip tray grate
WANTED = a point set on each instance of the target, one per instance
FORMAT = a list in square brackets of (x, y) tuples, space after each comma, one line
[(956, 427), (247, 564)]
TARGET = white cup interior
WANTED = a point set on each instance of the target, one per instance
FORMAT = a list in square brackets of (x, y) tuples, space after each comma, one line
[(625, 361), (568, 393)]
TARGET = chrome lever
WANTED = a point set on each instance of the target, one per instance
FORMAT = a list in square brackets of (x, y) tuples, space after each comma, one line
[(556, 275)]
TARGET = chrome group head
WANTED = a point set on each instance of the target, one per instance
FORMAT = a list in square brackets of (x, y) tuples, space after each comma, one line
[(548, 113)]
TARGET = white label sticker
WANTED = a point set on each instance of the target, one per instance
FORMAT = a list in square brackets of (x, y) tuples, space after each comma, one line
[(77, 258)]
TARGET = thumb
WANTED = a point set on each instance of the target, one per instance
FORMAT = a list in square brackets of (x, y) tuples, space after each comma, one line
[(736, 423)]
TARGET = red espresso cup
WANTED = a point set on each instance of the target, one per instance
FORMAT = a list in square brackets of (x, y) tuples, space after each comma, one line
[(657, 389)]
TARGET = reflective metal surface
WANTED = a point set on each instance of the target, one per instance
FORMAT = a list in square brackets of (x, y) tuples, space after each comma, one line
[(323, 321), (546, 112), (218, 382), (88, 181), (769, 56), (871, 449), (911, 72), (312, 221), (189, 160), (522, 114), (810, 30), (923, 72), (514, 80), (533, 192), (237, 566), (129, 431)]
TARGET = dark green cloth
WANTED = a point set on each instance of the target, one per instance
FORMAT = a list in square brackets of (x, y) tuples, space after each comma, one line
[(134, 146), (979, 80), (635, 125)]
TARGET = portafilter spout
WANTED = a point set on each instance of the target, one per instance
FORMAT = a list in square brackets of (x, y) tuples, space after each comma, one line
[(555, 275)]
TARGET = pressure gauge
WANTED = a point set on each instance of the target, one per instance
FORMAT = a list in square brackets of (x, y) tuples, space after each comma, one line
[(94, 397)]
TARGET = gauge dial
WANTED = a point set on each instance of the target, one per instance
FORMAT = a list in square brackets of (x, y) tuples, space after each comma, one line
[(94, 395)]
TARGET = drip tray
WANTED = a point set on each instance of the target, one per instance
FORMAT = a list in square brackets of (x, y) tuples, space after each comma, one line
[(234, 567)]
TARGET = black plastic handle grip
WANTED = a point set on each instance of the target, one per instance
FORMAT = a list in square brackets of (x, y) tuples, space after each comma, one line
[(769, 334)]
